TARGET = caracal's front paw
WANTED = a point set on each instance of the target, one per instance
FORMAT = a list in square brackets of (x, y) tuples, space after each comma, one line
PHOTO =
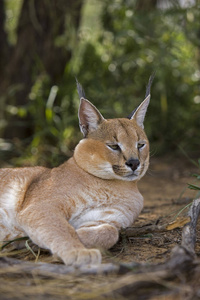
[(101, 236), (80, 257)]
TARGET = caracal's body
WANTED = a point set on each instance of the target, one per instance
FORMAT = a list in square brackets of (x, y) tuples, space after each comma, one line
[(83, 203)]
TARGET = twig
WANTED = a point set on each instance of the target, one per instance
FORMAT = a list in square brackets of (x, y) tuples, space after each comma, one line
[(136, 231)]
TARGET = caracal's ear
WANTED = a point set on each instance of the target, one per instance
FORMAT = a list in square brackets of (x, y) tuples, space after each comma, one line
[(89, 116), (139, 113)]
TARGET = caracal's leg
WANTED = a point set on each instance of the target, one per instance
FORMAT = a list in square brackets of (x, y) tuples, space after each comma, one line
[(48, 228)]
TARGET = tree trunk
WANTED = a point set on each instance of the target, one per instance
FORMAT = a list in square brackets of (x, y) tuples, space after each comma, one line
[(145, 5), (4, 50), (40, 23), (4, 46)]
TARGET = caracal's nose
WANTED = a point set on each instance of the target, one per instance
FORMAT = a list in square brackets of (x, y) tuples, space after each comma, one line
[(133, 163)]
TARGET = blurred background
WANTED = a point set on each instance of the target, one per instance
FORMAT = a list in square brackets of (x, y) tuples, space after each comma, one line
[(112, 47)]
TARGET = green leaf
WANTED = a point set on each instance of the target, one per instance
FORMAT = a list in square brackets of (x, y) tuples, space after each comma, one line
[(15, 240), (197, 176), (49, 114), (193, 187)]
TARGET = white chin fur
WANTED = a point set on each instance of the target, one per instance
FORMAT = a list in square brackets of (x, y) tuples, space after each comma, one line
[(105, 171)]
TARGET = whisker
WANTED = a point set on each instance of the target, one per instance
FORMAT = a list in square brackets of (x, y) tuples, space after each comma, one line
[(153, 152), (150, 172)]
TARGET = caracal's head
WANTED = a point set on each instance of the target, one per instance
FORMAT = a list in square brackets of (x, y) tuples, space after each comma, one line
[(113, 148)]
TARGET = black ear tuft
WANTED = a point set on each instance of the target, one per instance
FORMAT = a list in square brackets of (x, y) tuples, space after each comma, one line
[(148, 88), (80, 90)]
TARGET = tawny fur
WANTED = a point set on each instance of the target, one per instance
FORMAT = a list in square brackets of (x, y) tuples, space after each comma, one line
[(80, 206)]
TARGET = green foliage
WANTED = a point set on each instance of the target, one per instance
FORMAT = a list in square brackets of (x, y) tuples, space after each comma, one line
[(119, 47), (54, 120), (132, 45)]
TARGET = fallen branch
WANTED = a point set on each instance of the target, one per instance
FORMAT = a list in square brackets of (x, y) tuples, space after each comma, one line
[(189, 230), (153, 228), (45, 269)]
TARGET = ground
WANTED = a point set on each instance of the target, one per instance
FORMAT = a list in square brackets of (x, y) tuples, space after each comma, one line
[(166, 197), (166, 193)]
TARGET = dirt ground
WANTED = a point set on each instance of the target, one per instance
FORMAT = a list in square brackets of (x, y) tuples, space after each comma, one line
[(166, 196)]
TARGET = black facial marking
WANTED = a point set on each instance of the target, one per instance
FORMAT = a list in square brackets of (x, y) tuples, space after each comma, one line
[(115, 138), (131, 114), (123, 126)]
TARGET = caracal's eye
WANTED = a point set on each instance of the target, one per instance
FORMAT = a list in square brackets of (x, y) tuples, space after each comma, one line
[(115, 147), (140, 145)]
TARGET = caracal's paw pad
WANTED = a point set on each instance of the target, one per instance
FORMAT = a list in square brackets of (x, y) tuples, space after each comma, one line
[(78, 258)]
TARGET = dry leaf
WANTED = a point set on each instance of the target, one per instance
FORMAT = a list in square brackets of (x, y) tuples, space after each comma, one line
[(179, 222)]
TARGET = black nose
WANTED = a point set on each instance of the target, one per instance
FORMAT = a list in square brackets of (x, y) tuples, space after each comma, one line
[(133, 163)]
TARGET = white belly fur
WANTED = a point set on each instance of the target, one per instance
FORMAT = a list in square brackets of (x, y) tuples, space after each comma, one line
[(9, 228)]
